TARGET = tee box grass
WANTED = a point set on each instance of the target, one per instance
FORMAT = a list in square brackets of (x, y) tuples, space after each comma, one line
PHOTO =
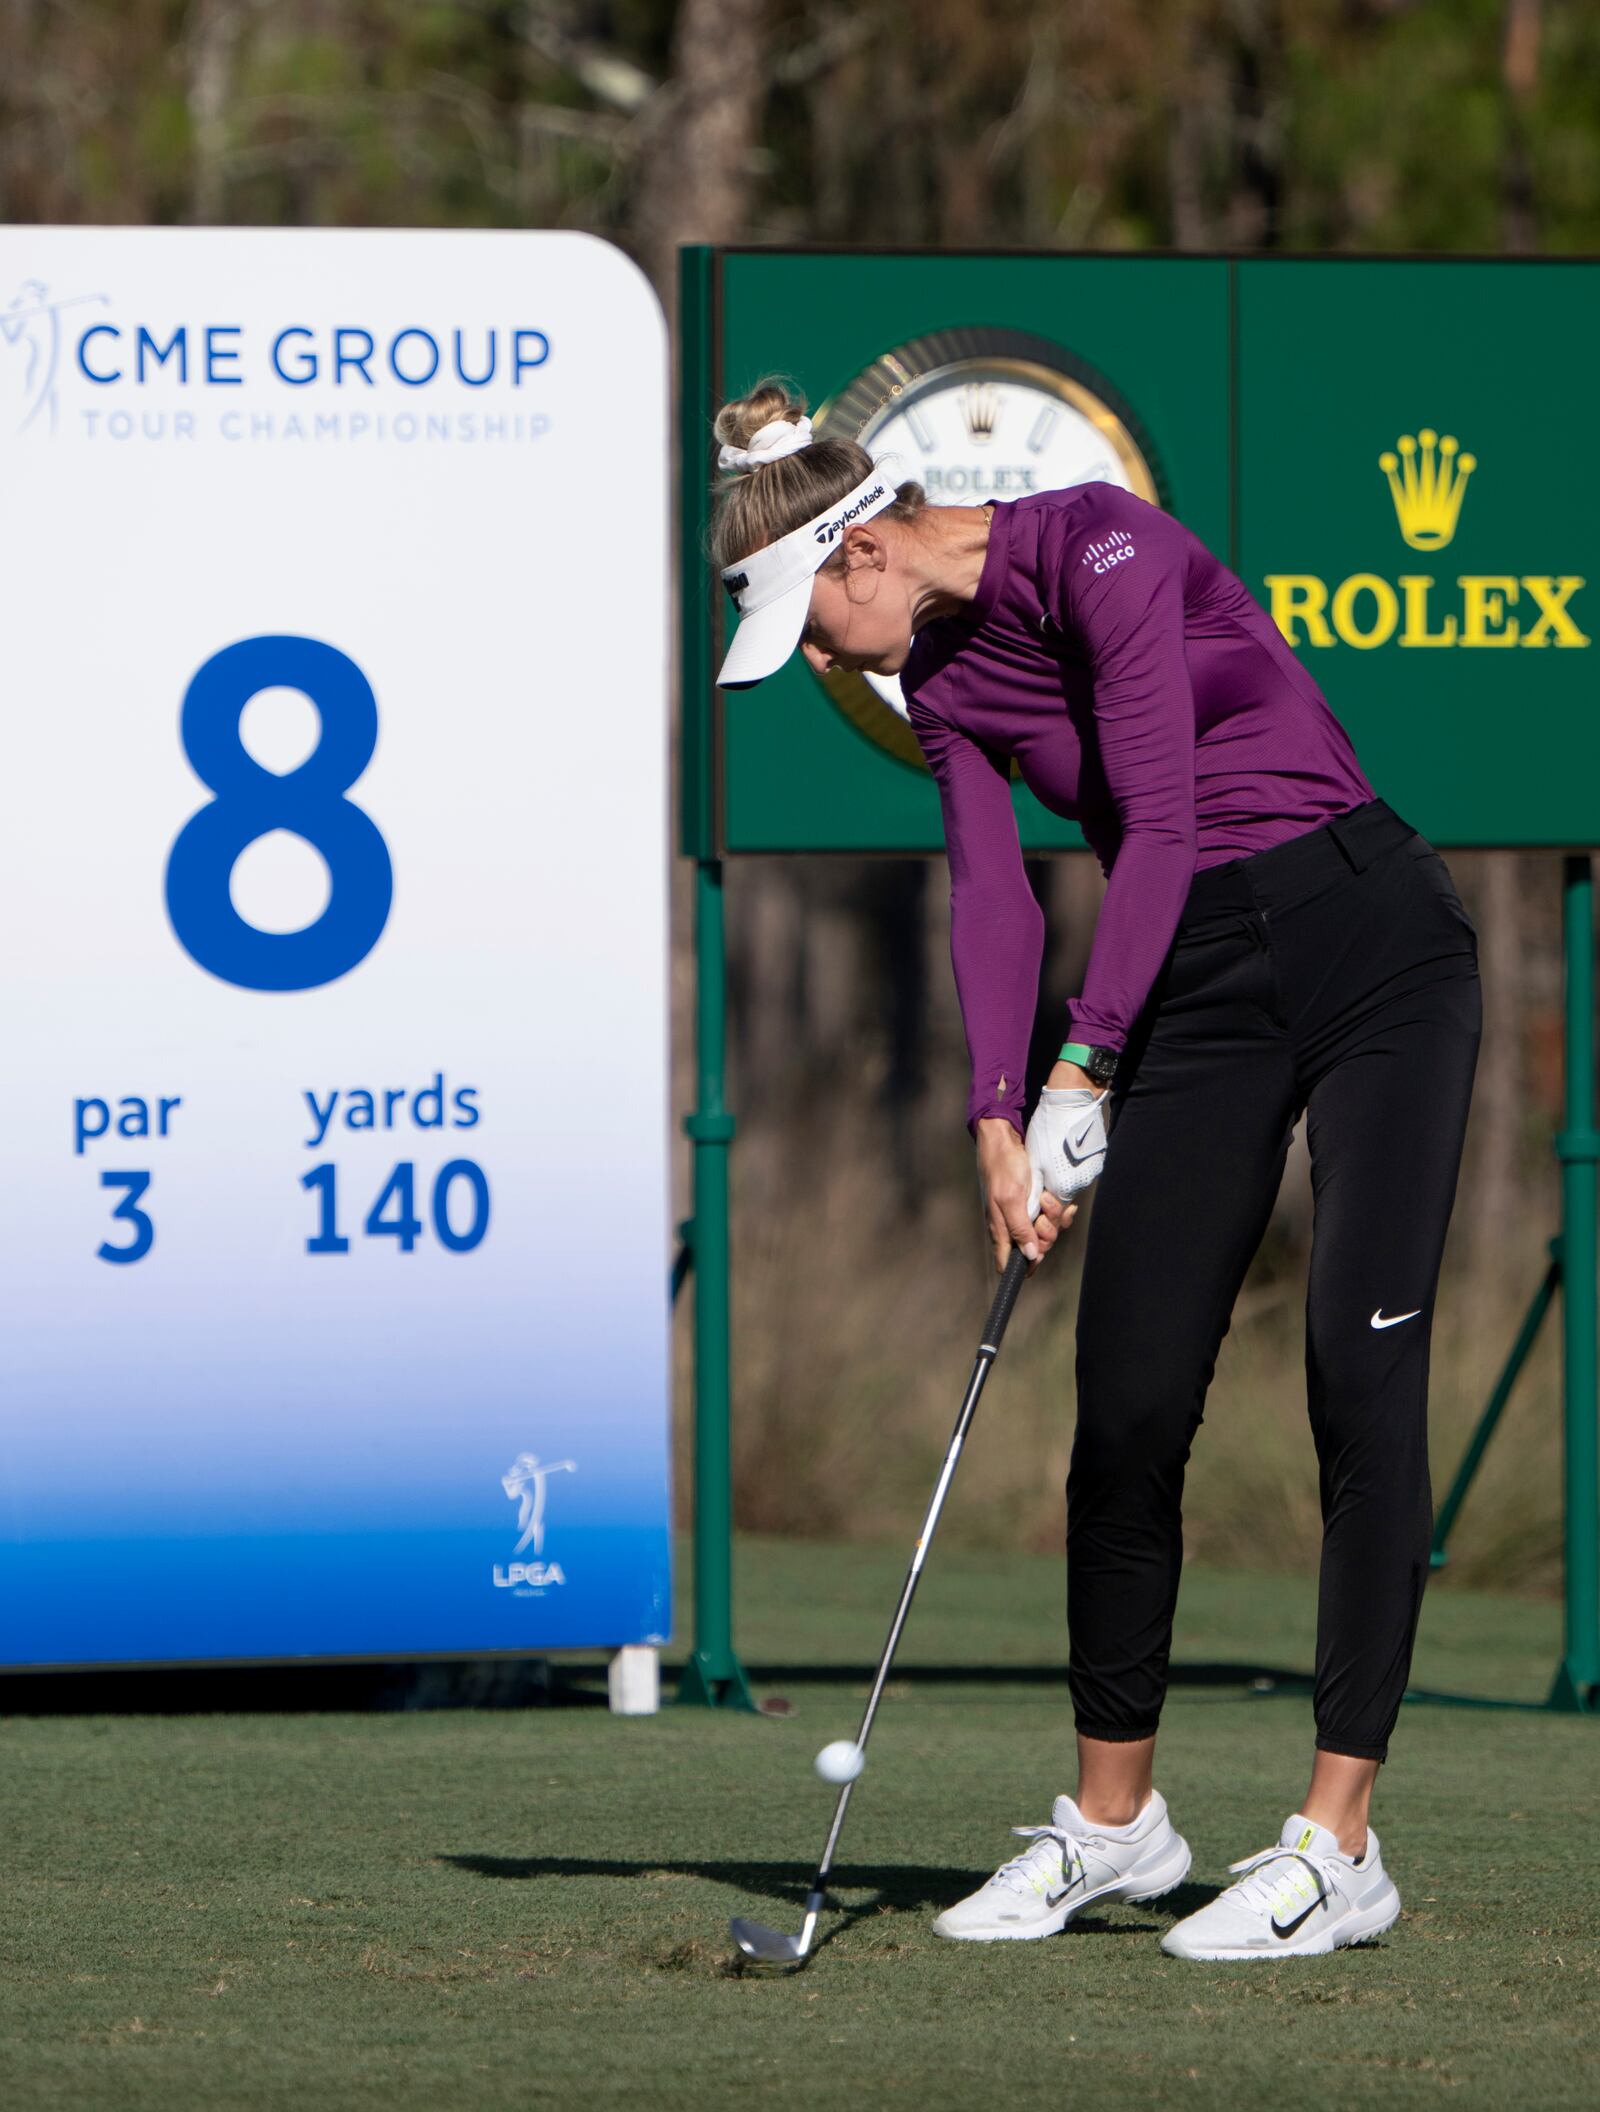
[(484, 1909)]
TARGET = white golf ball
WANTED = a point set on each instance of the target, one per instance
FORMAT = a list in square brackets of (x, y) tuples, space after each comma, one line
[(841, 1762)]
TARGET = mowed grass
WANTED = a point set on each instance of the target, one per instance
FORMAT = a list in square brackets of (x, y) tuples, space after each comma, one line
[(530, 1908)]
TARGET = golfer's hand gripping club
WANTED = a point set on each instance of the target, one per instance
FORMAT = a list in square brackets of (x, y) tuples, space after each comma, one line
[(1066, 1143), (1019, 1211)]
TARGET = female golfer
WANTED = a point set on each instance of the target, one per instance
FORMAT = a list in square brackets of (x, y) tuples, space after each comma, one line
[(1274, 940)]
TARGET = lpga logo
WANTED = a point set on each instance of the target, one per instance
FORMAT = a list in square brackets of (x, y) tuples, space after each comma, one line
[(527, 1485), (30, 324)]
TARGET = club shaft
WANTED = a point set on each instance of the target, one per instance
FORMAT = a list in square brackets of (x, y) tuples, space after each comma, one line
[(994, 1333)]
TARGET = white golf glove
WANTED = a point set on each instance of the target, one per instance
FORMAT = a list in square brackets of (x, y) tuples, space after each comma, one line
[(1066, 1142)]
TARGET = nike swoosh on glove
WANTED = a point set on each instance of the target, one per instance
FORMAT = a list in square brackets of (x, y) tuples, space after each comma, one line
[(1066, 1142)]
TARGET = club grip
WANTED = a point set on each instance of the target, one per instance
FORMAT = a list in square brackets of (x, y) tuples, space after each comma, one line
[(1005, 1298)]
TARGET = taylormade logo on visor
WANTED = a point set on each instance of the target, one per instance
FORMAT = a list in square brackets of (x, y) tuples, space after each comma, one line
[(770, 586), (827, 530)]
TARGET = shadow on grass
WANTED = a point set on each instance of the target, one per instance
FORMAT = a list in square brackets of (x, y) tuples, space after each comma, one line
[(490, 1683), (1260, 1682), (1265, 1678), (305, 1689), (513, 1682), (901, 1885), (891, 1888)]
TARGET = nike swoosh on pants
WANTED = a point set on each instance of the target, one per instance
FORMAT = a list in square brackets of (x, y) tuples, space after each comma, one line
[(1395, 1319)]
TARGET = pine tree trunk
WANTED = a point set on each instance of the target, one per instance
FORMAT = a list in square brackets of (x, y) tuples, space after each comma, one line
[(1497, 1102), (1497, 1098), (695, 173), (210, 48)]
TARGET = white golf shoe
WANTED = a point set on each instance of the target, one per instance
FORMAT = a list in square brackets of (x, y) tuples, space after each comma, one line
[(1069, 1863), (1298, 1900)]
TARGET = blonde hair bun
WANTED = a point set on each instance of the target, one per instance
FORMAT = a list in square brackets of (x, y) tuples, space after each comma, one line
[(756, 502), (738, 422)]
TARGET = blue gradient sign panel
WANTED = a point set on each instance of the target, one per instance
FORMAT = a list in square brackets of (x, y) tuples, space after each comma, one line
[(335, 869)]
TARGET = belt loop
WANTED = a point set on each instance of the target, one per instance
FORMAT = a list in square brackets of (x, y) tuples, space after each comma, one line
[(1341, 836)]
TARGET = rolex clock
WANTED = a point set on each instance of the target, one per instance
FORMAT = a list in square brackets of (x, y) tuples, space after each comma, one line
[(975, 414)]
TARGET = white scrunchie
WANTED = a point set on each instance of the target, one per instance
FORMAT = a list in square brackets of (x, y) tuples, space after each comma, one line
[(782, 436)]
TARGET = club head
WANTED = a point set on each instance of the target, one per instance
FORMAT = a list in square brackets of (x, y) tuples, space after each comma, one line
[(767, 1946)]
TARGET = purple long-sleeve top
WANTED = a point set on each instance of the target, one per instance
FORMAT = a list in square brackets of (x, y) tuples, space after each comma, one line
[(1146, 695)]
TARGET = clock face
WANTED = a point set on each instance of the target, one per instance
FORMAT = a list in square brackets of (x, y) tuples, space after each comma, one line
[(974, 415)]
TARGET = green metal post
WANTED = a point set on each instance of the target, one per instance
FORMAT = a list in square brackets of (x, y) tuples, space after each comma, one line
[(697, 819), (713, 1674), (1578, 1148), (1478, 1444)]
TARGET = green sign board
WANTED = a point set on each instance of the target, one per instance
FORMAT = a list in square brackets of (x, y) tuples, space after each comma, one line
[(1396, 456), (1416, 459)]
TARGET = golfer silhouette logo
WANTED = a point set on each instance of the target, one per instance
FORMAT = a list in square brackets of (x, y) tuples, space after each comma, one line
[(526, 1485), (30, 325)]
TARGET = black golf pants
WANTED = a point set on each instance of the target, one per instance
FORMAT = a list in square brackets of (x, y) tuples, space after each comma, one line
[(1334, 975)]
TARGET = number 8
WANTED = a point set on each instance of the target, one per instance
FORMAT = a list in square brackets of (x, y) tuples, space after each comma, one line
[(251, 801)]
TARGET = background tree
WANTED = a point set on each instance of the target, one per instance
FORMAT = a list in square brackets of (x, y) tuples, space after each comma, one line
[(1371, 125)]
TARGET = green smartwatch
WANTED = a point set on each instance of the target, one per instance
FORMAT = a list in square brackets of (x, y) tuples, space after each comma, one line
[(1100, 1064)]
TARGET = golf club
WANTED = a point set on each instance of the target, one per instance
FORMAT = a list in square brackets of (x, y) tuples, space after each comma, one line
[(769, 1946)]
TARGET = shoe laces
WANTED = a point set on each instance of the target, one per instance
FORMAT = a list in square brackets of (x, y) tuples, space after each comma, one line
[(1023, 1872), (1260, 1885)]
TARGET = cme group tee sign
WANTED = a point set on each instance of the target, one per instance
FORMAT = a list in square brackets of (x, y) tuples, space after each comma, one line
[(308, 1347), (215, 355)]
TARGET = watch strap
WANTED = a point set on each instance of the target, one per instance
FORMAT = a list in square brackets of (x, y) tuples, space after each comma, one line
[(1100, 1064)]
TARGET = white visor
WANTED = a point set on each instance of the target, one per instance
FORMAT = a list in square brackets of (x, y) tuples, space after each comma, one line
[(771, 588)]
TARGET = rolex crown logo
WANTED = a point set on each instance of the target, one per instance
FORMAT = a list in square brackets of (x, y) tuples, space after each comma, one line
[(1426, 481), (980, 405)]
